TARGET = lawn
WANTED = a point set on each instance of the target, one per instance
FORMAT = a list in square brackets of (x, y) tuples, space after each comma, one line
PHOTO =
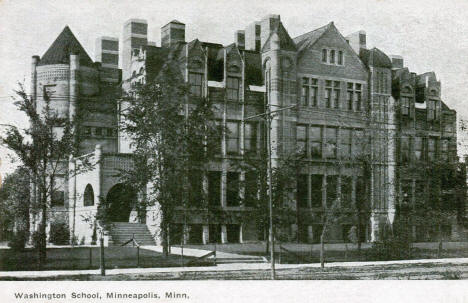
[(87, 258)]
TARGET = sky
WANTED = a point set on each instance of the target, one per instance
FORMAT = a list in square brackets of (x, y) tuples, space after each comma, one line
[(430, 35)]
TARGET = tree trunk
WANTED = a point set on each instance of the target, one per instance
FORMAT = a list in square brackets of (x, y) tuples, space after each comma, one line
[(267, 242), (322, 252), (164, 236), (42, 233)]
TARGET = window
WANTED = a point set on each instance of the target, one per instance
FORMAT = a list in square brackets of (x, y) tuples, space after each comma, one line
[(58, 198), (87, 131), (405, 149), (345, 143), (346, 191), (195, 81), (418, 148), (214, 188), (359, 143), (444, 149), (316, 190), (98, 131), (315, 135), (232, 137), (431, 149), (431, 110), (196, 188), (330, 149), (250, 137), (349, 97), (332, 182), (88, 196), (251, 188), (328, 97), (109, 132), (336, 94), (340, 58), (405, 106), (232, 88), (301, 139), (324, 55), (302, 191), (358, 96), (332, 56), (305, 92), (232, 192)]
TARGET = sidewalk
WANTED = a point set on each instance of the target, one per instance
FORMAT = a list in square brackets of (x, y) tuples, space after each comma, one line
[(221, 267)]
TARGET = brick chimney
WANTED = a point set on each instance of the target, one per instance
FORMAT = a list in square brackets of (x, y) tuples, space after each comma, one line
[(172, 33), (357, 41), (239, 39), (397, 61)]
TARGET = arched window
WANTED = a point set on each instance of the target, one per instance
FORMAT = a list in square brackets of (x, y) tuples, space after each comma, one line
[(88, 196)]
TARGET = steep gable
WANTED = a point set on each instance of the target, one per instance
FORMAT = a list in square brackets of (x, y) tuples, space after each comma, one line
[(60, 50), (311, 46), (286, 43)]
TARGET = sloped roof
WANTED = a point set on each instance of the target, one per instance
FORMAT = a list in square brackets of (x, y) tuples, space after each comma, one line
[(286, 43), (308, 39), (378, 58), (60, 50)]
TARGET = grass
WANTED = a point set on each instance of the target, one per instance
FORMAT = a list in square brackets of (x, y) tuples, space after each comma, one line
[(87, 258)]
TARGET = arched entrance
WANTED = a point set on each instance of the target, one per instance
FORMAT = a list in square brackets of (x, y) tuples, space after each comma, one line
[(121, 200)]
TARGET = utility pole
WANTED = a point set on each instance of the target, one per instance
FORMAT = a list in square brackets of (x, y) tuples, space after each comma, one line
[(268, 115)]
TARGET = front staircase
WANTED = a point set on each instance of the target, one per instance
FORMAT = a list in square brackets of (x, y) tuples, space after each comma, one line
[(121, 232)]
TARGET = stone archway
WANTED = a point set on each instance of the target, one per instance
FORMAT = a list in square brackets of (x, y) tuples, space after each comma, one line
[(121, 200)]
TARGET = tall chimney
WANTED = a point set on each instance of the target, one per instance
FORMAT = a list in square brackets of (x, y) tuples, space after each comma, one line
[(239, 39), (172, 33), (107, 52), (35, 60), (135, 35), (252, 36), (357, 41)]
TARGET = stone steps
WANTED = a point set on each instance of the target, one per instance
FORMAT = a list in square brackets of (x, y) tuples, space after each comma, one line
[(121, 232)]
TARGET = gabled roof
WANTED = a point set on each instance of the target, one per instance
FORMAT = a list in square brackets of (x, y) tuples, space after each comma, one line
[(286, 43), (375, 57), (65, 44), (308, 39)]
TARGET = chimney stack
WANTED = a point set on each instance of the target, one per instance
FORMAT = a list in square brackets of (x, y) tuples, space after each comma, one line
[(239, 39), (107, 52), (397, 61), (135, 35), (172, 33), (357, 41), (252, 36), (268, 23)]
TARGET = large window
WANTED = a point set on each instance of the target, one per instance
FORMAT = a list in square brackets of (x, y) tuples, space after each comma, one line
[(302, 191), (316, 190), (336, 94), (250, 137), (405, 106), (196, 188), (332, 182), (332, 56), (405, 149), (431, 149), (195, 81), (350, 96), (232, 137), (418, 148), (315, 135), (214, 188), (358, 97), (328, 93), (345, 143), (232, 192), (309, 92), (340, 58), (251, 188), (301, 139), (330, 148), (346, 191), (232, 88)]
